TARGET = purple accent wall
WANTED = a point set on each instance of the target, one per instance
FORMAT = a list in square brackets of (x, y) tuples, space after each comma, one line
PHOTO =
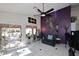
[(60, 17)]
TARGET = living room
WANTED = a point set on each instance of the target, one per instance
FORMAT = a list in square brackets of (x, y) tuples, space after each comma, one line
[(39, 29)]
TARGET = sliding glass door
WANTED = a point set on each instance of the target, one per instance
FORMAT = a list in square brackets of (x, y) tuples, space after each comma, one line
[(31, 30)]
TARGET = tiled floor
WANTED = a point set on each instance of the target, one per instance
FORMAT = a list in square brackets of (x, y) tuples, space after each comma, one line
[(40, 49)]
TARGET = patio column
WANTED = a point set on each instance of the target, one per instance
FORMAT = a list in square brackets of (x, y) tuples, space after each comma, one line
[(23, 31)]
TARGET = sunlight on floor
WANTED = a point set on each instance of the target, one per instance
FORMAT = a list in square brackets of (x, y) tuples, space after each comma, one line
[(24, 51), (20, 52)]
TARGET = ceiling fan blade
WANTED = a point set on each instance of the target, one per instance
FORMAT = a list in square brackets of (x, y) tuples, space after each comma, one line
[(39, 11), (49, 11)]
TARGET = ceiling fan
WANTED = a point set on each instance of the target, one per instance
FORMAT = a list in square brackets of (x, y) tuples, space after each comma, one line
[(43, 13)]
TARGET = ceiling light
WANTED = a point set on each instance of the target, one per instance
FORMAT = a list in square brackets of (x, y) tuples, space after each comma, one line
[(43, 15)]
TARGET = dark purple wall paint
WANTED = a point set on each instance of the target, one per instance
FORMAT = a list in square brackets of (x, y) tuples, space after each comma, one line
[(62, 18)]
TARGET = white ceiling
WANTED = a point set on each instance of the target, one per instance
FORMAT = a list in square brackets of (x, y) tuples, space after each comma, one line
[(27, 8)]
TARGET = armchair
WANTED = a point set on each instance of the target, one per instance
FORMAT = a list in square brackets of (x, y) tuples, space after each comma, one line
[(49, 39)]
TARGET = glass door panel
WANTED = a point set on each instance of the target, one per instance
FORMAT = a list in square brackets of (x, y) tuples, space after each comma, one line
[(29, 30), (34, 31)]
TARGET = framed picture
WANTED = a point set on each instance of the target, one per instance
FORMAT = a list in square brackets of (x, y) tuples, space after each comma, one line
[(73, 18), (31, 20)]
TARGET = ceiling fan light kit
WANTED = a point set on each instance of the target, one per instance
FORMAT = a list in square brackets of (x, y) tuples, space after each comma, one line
[(43, 13)]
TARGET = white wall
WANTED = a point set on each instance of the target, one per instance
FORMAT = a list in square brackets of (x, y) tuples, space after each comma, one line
[(38, 21), (75, 12), (11, 18)]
